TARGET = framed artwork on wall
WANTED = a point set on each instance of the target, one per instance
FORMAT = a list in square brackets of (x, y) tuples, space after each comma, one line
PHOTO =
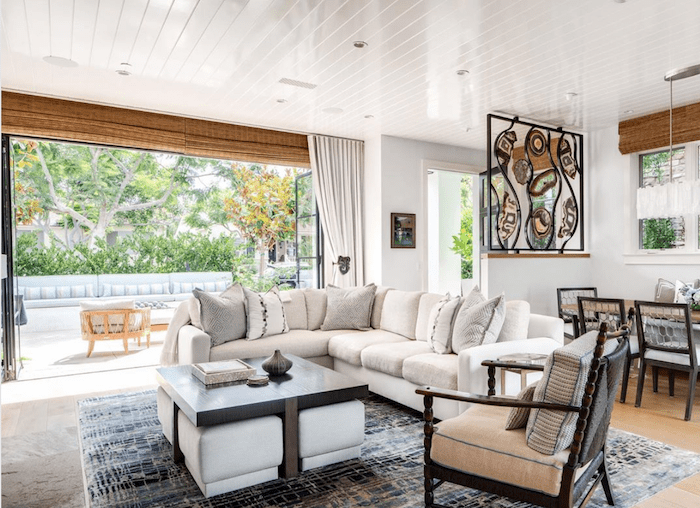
[(403, 230)]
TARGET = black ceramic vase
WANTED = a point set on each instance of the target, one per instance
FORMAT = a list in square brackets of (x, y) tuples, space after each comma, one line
[(277, 364)]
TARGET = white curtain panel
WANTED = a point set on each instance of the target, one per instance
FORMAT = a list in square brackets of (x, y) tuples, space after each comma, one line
[(337, 166)]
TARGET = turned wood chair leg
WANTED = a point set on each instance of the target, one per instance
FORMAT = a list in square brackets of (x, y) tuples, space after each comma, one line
[(640, 382)]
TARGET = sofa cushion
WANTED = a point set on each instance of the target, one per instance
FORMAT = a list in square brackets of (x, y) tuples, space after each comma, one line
[(379, 295), (665, 291), (294, 304), (303, 343), (479, 324), (265, 314), (349, 308), (400, 312), (348, 347), (222, 317), (427, 302), (432, 369), (389, 358), (316, 303), (516, 321), (440, 324), (476, 442), (563, 382)]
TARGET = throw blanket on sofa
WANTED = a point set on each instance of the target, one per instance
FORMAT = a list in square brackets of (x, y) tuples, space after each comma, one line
[(168, 355)]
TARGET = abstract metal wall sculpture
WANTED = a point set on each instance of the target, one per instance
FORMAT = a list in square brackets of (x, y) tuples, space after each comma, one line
[(533, 195)]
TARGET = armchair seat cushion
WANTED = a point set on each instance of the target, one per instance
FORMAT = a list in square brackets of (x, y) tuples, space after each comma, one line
[(476, 442), (389, 358), (432, 369)]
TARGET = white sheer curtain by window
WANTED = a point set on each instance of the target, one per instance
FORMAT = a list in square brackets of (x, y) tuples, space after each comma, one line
[(337, 166)]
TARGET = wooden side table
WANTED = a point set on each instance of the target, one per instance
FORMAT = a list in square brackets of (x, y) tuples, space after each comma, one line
[(520, 363)]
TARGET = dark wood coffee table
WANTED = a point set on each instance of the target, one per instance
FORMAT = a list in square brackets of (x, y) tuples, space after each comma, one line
[(304, 386)]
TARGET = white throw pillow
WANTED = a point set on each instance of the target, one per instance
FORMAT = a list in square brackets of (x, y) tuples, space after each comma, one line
[(265, 314), (516, 322), (440, 324), (478, 324)]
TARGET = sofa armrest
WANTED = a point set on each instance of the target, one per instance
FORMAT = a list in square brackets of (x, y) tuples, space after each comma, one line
[(473, 377), (193, 345), (546, 326)]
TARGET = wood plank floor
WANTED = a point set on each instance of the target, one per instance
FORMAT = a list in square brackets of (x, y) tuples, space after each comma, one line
[(52, 423)]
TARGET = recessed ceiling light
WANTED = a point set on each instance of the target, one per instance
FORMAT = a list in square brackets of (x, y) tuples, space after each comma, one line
[(570, 96), (59, 61), (462, 72), (369, 116), (620, 1), (281, 101), (467, 129), (360, 44), (629, 111), (124, 69)]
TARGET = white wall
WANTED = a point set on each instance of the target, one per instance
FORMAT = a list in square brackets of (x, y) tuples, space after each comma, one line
[(606, 183), (402, 191), (444, 218), (374, 224)]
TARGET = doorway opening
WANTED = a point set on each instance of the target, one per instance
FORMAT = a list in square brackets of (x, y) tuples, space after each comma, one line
[(453, 256)]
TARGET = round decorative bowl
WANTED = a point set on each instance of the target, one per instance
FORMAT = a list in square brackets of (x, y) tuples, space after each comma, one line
[(277, 364)]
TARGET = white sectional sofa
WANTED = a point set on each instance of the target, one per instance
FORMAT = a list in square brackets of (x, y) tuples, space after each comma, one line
[(393, 357)]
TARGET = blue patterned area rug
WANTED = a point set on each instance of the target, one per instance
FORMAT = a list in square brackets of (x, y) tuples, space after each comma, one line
[(127, 463)]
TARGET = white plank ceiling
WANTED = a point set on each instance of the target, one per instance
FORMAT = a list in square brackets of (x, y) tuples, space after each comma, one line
[(223, 60)]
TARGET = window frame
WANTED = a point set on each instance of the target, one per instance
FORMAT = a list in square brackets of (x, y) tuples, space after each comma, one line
[(634, 253), (319, 234)]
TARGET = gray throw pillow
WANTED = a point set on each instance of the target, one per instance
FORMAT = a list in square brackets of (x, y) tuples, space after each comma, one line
[(517, 418), (478, 324), (222, 317), (349, 308)]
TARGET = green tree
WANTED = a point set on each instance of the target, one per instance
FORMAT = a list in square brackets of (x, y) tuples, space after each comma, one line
[(262, 206), (463, 244), (94, 188)]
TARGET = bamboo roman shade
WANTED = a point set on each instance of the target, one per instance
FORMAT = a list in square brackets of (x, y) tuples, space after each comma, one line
[(651, 131), (44, 117)]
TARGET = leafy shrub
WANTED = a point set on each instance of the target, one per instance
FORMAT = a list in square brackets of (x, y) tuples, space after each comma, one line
[(138, 253)]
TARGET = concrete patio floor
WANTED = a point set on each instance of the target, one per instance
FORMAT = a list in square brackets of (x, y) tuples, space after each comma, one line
[(63, 353)]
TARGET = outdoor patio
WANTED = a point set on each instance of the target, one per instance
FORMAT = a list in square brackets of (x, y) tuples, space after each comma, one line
[(63, 353)]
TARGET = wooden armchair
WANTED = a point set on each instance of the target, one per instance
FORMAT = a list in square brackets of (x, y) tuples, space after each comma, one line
[(474, 449), (109, 325)]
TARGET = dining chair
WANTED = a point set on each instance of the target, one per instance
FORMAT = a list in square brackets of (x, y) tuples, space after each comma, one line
[(567, 301), (667, 340), (594, 311)]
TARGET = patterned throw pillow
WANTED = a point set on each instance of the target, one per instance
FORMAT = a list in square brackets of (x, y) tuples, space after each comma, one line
[(349, 308), (222, 317), (563, 382), (478, 324), (517, 418), (440, 324), (265, 314)]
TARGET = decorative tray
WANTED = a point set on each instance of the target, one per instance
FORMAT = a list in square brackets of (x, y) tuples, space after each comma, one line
[(212, 373)]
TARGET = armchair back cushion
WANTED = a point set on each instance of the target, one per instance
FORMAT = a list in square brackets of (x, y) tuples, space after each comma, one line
[(400, 312), (563, 382)]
